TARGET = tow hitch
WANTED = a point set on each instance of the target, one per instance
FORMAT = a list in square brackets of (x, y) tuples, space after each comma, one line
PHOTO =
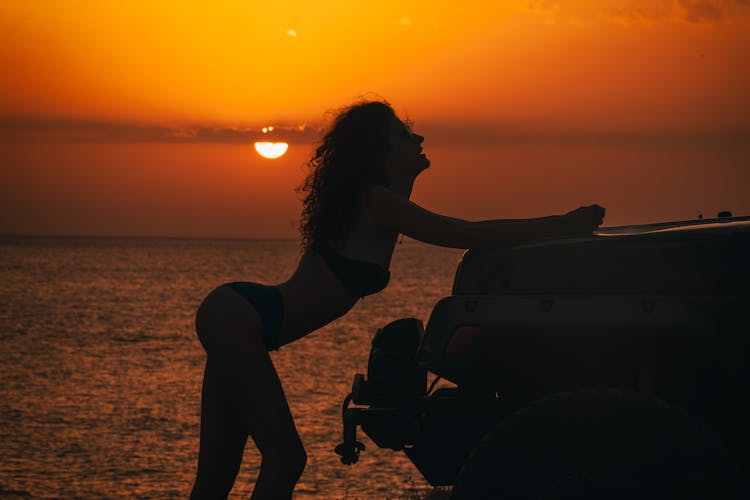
[(350, 448)]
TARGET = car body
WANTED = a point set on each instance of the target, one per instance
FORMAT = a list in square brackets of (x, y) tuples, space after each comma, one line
[(656, 311)]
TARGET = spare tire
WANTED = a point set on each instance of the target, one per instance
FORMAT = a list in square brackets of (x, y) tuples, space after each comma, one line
[(599, 443)]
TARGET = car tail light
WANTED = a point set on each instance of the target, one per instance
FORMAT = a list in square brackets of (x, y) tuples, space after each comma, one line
[(464, 339)]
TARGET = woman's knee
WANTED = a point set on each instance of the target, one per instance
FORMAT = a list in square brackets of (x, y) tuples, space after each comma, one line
[(287, 462), (298, 460)]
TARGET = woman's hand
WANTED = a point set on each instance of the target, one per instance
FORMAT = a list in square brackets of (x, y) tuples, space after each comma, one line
[(584, 220)]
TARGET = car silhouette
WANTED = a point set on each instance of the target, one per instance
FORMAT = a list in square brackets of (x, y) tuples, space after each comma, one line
[(611, 366)]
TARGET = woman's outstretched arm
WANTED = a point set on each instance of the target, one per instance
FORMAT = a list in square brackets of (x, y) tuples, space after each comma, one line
[(398, 213)]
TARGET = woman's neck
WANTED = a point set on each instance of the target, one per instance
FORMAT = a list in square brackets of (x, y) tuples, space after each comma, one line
[(401, 183)]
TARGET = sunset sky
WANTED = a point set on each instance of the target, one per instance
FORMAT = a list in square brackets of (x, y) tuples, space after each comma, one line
[(138, 117)]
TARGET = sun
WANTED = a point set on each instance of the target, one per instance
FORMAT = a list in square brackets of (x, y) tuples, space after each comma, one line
[(271, 150), (268, 149)]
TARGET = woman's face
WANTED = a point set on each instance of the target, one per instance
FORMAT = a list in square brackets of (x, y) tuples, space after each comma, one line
[(405, 151)]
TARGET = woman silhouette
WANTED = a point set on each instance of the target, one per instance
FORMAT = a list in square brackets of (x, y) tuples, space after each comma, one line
[(356, 203)]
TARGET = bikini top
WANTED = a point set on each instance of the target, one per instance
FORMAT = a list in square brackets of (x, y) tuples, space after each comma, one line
[(359, 277)]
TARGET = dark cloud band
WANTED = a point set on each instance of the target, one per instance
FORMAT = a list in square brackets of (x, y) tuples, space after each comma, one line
[(96, 131)]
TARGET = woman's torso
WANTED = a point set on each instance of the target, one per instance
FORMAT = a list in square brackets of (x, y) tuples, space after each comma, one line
[(314, 295)]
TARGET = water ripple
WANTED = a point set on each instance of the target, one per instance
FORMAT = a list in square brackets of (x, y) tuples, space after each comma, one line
[(101, 369)]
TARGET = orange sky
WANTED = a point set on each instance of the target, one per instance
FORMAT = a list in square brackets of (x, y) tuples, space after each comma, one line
[(155, 80)]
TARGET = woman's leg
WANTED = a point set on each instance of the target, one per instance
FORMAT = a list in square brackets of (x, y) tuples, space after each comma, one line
[(222, 440), (250, 393)]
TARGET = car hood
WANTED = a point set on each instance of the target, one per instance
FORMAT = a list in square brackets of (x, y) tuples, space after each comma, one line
[(685, 257)]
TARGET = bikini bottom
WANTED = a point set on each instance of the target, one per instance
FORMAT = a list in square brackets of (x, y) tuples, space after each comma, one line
[(269, 303)]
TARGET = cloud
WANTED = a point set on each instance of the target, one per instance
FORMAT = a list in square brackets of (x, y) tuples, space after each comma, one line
[(97, 131), (639, 11), (505, 134), (438, 134), (701, 11)]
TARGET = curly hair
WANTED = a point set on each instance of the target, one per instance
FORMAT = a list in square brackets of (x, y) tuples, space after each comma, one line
[(347, 161)]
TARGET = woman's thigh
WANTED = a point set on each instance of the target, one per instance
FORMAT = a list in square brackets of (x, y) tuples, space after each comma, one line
[(231, 331)]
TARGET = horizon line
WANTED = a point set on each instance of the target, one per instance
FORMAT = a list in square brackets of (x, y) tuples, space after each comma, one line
[(8, 236), (37, 236)]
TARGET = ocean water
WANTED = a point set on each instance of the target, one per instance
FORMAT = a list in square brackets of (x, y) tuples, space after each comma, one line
[(100, 369)]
